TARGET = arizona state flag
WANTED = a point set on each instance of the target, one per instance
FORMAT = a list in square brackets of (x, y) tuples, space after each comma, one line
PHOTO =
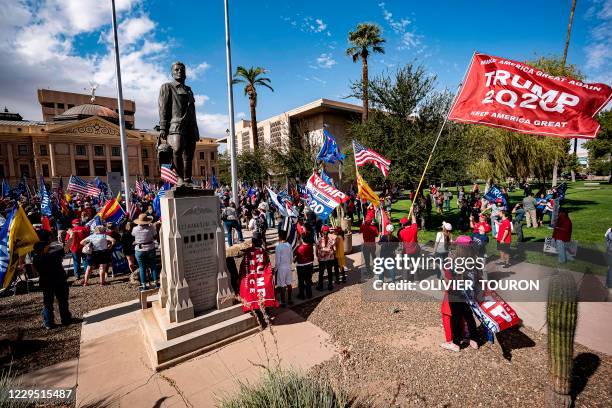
[(365, 192), (17, 238)]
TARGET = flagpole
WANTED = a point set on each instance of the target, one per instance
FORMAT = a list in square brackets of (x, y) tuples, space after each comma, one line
[(439, 134), (122, 136), (230, 103)]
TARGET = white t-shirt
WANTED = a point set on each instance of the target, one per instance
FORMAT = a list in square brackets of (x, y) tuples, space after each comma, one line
[(283, 256), (440, 247)]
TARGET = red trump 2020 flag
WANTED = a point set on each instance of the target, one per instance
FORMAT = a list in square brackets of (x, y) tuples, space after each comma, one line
[(512, 95)]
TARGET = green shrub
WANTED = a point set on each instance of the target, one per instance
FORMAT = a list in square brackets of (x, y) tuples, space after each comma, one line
[(7, 382), (280, 388)]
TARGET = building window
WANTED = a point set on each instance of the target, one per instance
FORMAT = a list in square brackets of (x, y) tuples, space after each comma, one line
[(2, 171), (145, 154), (22, 149), (146, 170), (43, 150), (212, 156), (60, 106), (116, 151), (70, 106), (246, 143), (82, 167), (260, 135), (24, 169), (202, 171), (212, 170), (116, 166), (45, 170), (80, 150), (276, 132), (99, 168), (201, 155), (98, 150)]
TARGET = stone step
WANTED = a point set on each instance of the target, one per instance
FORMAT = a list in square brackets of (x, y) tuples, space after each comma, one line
[(166, 353), (173, 330)]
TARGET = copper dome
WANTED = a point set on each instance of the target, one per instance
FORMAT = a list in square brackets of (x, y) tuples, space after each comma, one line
[(88, 110)]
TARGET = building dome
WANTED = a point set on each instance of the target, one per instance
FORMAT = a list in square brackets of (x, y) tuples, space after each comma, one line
[(88, 110)]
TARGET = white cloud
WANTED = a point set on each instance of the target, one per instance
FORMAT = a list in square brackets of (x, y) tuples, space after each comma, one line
[(598, 51), (215, 124), (133, 29), (196, 71), (408, 39), (200, 99), (321, 26), (326, 60), (38, 45)]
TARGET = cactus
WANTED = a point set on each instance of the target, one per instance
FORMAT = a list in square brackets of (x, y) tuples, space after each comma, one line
[(561, 315)]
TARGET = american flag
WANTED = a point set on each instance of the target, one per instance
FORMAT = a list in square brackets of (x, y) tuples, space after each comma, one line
[(168, 174), (364, 155), (139, 188), (78, 185)]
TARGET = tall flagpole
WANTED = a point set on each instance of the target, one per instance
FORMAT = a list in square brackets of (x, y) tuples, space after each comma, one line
[(230, 103), (452, 105), (124, 149)]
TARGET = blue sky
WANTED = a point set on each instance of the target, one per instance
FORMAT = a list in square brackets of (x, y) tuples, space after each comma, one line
[(64, 44)]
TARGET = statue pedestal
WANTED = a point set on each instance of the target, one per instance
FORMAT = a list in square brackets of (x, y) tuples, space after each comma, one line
[(195, 310)]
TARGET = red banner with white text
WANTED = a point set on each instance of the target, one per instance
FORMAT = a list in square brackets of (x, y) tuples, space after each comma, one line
[(512, 95)]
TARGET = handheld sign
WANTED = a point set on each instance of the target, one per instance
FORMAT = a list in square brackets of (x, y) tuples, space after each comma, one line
[(324, 198)]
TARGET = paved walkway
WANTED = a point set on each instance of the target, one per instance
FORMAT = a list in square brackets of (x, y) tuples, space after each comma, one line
[(113, 368)]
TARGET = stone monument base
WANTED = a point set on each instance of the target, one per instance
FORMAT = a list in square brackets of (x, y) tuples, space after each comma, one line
[(171, 343)]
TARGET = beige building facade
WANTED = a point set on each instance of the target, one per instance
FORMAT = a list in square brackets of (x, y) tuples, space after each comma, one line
[(86, 147), (308, 120)]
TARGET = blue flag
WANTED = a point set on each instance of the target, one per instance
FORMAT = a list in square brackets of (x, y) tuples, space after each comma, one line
[(160, 194), (561, 190), (326, 177), (102, 186), (45, 201), (330, 152), (213, 181), (494, 193), (6, 188)]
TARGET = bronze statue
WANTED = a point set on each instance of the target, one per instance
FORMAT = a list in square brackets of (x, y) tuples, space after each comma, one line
[(177, 123)]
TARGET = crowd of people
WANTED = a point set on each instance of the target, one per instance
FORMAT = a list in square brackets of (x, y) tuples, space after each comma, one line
[(131, 245)]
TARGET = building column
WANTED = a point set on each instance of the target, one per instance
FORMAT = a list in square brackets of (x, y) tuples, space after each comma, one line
[(72, 160), (90, 157), (52, 159), (10, 157), (107, 150), (37, 172), (140, 168)]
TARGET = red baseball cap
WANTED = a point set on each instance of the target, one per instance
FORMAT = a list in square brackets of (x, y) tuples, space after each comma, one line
[(75, 222), (325, 228), (404, 220)]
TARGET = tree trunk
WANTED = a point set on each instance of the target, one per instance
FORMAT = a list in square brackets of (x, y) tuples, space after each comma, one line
[(569, 32), (254, 123), (364, 84), (555, 170)]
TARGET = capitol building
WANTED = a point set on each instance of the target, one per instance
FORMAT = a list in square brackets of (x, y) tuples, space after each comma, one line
[(80, 136)]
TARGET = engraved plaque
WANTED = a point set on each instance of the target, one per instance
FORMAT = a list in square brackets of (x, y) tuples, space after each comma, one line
[(197, 223)]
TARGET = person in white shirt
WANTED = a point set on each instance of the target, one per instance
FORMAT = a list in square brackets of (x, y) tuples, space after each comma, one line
[(282, 262), (442, 245)]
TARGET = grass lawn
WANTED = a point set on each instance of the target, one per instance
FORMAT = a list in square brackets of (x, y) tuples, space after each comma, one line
[(590, 209)]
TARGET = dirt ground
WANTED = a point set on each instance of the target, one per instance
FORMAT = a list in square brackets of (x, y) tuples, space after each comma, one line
[(40, 347), (391, 352)]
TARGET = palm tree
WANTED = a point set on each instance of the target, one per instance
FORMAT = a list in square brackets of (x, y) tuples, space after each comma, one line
[(252, 78), (365, 39)]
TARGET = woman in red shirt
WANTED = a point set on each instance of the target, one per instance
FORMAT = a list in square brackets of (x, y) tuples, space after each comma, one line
[(504, 238)]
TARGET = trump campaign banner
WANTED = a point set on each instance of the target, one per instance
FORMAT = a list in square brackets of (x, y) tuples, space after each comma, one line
[(515, 96), (323, 197)]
